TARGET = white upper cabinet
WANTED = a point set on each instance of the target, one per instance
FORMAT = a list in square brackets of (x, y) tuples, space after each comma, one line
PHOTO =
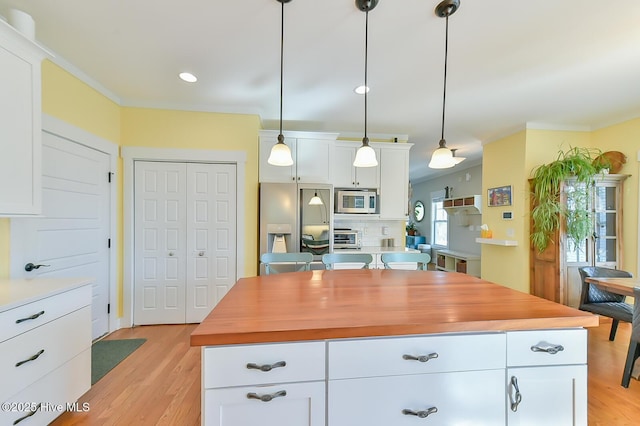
[(394, 181), (20, 123), (311, 152), (346, 175)]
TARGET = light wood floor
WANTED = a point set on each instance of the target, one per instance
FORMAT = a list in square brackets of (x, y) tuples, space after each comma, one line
[(159, 384)]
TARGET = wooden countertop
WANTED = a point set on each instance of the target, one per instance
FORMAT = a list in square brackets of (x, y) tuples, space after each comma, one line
[(318, 305)]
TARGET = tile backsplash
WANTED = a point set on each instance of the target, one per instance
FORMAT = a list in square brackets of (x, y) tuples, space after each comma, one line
[(373, 231)]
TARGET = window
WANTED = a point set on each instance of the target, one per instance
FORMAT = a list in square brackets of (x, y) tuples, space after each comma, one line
[(440, 236)]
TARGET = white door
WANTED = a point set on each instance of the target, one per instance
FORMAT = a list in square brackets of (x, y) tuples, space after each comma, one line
[(211, 236), (72, 236), (184, 240)]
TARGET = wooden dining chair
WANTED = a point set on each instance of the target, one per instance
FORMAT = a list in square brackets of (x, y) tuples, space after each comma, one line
[(331, 259), (634, 344), (421, 259), (602, 302), (299, 262)]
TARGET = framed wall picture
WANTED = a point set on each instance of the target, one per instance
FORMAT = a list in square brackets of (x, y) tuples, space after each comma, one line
[(500, 196)]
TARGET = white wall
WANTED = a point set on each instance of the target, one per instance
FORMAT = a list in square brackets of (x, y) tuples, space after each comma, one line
[(464, 182)]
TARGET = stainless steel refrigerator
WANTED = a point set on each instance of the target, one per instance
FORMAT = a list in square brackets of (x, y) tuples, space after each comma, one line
[(291, 221)]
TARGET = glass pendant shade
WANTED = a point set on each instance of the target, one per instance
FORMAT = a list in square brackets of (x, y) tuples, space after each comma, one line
[(280, 154), (442, 158), (315, 200), (457, 160), (365, 156)]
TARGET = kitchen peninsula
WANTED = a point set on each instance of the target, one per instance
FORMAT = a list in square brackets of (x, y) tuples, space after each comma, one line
[(382, 347)]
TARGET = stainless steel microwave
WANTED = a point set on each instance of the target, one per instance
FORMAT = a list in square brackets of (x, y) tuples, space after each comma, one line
[(356, 201)]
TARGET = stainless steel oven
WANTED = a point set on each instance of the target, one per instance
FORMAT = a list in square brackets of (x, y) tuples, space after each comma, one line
[(346, 239)]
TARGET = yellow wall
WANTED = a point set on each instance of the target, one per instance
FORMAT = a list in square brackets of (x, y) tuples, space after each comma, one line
[(504, 164), (511, 160)]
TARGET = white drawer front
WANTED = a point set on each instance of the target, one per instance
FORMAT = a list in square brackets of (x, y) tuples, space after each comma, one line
[(293, 404), (16, 321), (64, 385), (53, 344), (542, 347), (468, 398), (386, 356), (227, 366)]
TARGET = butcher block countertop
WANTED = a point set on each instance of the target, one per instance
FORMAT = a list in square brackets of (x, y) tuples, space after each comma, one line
[(319, 305)]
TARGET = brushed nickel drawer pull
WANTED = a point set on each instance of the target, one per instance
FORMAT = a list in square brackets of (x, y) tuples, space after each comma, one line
[(33, 358), (32, 317), (420, 358), (421, 414), (266, 367), (266, 397), (548, 348), (515, 401), (29, 414)]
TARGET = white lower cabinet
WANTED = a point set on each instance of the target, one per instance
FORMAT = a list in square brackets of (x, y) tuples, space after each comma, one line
[(434, 399), (547, 377), (547, 395), (536, 377), (291, 404), (264, 384)]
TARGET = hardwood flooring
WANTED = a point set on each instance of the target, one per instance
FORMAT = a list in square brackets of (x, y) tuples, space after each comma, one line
[(159, 384)]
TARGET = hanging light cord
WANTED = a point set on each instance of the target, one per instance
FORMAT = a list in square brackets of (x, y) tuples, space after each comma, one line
[(281, 62), (446, 48), (366, 87)]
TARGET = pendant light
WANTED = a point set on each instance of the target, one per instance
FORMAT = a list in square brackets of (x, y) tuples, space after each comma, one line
[(315, 200), (442, 157), (456, 160), (280, 152), (365, 156)]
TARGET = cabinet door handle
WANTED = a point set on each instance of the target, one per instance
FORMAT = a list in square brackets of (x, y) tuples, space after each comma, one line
[(32, 317), (421, 414), (266, 367), (266, 397), (32, 358), (547, 347), (420, 358), (30, 267), (517, 398), (29, 414)]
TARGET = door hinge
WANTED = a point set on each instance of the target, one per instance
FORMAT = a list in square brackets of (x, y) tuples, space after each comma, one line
[(109, 174), (108, 242), (108, 308)]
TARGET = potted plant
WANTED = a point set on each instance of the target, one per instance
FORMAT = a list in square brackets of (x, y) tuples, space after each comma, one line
[(574, 173), (411, 228)]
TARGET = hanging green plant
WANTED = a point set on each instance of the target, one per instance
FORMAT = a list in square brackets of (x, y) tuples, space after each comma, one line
[(576, 169)]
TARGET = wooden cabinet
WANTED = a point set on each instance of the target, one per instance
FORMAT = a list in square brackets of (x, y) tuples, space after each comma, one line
[(394, 181), (20, 124), (554, 272), (547, 377), (45, 348), (455, 261), (346, 175), (272, 384), (311, 152)]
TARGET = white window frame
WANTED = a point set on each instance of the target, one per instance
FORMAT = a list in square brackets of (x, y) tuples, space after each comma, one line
[(436, 197)]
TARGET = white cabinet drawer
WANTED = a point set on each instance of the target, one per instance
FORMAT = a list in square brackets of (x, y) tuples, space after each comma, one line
[(26, 317), (229, 365), (293, 404), (51, 345), (53, 392), (546, 347), (467, 398), (388, 356)]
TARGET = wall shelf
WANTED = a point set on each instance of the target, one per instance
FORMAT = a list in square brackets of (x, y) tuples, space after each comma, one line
[(496, 242), (469, 205)]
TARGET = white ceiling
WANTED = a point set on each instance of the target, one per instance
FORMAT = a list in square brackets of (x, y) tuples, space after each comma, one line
[(561, 64)]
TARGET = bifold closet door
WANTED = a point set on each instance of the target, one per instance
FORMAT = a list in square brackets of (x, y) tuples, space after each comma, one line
[(185, 240)]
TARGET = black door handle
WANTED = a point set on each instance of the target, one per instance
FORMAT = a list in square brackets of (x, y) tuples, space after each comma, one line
[(30, 266)]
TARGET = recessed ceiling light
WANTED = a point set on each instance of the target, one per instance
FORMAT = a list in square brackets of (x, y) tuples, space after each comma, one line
[(361, 89), (188, 77)]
